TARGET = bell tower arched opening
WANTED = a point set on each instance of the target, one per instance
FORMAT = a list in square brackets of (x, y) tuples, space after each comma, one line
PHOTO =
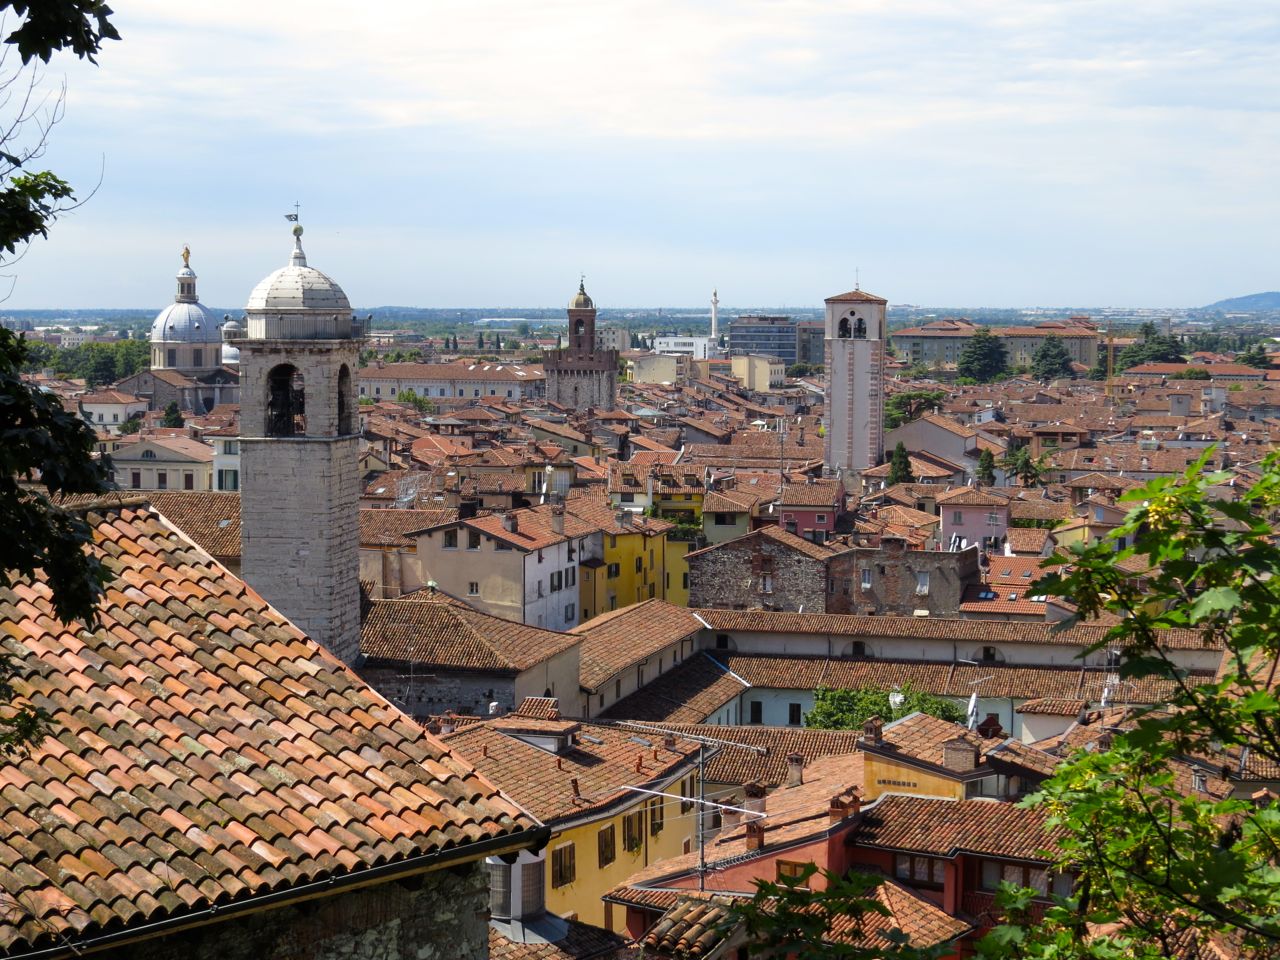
[(345, 426), (286, 402)]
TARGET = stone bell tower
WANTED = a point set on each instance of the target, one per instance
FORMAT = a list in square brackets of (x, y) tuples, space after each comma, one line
[(299, 448), (580, 376), (855, 326)]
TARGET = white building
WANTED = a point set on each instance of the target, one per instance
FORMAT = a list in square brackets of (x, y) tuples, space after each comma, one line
[(855, 381), (700, 348), (613, 338), (463, 379), (108, 410)]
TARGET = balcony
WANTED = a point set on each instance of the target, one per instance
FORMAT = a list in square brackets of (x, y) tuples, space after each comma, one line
[(982, 907)]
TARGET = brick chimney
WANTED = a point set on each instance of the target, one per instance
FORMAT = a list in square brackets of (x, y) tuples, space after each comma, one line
[(873, 731), (557, 519), (843, 805), (755, 797), (959, 755), (755, 834), (795, 769), (510, 522)]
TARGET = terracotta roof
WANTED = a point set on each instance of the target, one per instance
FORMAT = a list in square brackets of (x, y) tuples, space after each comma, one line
[(856, 296), (819, 493), (1030, 540), (920, 736), (439, 634), (599, 763), (947, 827), (615, 640), (693, 927), (205, 752), (927, 628), (1053, 706), (534, 530), (769, 768), (210, 519), (391, 528), (971, 497), (815, 551), (582, 941)]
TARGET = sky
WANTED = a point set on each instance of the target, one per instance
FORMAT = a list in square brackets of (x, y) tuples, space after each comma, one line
[(478, 153)]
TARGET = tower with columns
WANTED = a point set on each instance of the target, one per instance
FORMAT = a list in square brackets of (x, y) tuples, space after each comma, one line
[(854, 354), (299, 448)]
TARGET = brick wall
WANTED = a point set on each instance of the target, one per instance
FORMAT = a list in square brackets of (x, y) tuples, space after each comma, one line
[(733, 575), (436, 916)]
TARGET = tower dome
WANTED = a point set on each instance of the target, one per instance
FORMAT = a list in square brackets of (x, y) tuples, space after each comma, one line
[(298, 287), (186, 320), (580, 299)]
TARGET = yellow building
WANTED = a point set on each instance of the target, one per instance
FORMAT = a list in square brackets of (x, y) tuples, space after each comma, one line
[(676, 578), (613, 799), (633, 566)]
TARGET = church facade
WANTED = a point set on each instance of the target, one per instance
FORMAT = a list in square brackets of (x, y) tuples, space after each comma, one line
[(580, 376)]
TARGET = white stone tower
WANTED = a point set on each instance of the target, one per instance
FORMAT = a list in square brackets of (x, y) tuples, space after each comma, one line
[(299, 447), (580, 376), (855, 381), (715, 318)]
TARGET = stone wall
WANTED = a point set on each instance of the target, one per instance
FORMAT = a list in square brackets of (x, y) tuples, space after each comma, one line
[(894, 587), (757, 573), (435, 916), (436, 691)]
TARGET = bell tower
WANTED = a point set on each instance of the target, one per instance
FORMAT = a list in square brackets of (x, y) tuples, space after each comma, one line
[(299, 448), (855, 326), (581, 376)]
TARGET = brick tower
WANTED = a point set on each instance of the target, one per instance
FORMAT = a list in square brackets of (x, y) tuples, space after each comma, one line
[(299, 444), (855, 382), (580, 376)]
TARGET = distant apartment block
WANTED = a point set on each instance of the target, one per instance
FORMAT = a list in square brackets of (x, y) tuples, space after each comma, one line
[(767, 336)]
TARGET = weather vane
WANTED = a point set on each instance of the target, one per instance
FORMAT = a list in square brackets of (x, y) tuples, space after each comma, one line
[(293, 217)]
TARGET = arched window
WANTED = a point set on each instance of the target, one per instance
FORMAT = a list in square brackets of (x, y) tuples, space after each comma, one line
[(286, 410), (581, 327), (345, 426), (860, 329), (148, 454), (858, 648), (843, 331)]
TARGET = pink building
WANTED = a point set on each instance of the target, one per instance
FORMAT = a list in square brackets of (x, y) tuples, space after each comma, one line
[(972, 516), (810, 509)]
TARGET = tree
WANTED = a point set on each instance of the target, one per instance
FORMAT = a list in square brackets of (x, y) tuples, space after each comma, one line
[(900, 408), (900, 466), (983, 357), (1029, 470), (1255, 356), (40, 439), (986, 472), (800, 369), (132, 425), (421, 404), (173, 416), (1192, 373), (1051, 360), (480, 341), (850, 709)]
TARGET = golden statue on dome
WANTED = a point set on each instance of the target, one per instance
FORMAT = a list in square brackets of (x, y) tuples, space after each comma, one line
[(186, 255)]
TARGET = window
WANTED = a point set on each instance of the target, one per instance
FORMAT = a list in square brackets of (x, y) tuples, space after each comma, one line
[(724, 520), (639, 564), (557, 581), (757, 711), (606, 842), (563, 869), (473, 589), (627, 497), (148, 454), (993, 519), (473, 539), (922, 582), (1020, 875), (613, 571), (686, 792), (633, 831), (540, 557), (684, 581), (228, 479), (570, 576), (230, 447), (866, 579), (657, 816), (171, 358), (790, 870), (135, 479), (115, 418), (197, 357), (920, 871), (188, 481), (794, 715), (957, 517), (162, 480), (451, 539), (819, 518)]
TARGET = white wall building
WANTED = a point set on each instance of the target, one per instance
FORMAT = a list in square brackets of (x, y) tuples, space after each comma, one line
[(700, 348), (504, 381)]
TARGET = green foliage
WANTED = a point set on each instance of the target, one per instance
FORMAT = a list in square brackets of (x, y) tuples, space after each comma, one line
[(1152, 348), (1029, 470), (965, 382), (1099, 370), (900, 466), (132, 425), (983, 357), (98, 363), (172, 416), (1255, 356), (900, 408), (421, 404), (802, 369), (50, 25), (1051, 361), (40, 440), (1192, 373), (850, 709), (986, 471), (788, 919)]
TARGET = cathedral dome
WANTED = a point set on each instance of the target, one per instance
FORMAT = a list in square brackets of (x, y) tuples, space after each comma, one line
[(186, 320), (298, 287), (580, 299)]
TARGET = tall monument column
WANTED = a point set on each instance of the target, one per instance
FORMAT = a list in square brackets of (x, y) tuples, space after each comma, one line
[(299, 448), (855, 326)]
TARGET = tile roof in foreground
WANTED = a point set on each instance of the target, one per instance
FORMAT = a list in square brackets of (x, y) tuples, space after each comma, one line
[(615, 640), (581, 941), (205, 753), (947, 827)]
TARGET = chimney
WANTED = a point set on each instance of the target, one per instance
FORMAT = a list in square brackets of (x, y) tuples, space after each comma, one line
[(755, 797), (557, 519), (669, 743), (844, 805), (510, 522), (730, 819), (573, 785), (622, 516), (795, 769), (959, 755), (755, 834), (873, 731)]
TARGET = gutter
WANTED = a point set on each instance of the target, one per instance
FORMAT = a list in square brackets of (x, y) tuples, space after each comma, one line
[(316, 889)]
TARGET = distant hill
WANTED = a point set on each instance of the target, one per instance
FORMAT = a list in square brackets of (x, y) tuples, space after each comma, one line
[(1253, 303)]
